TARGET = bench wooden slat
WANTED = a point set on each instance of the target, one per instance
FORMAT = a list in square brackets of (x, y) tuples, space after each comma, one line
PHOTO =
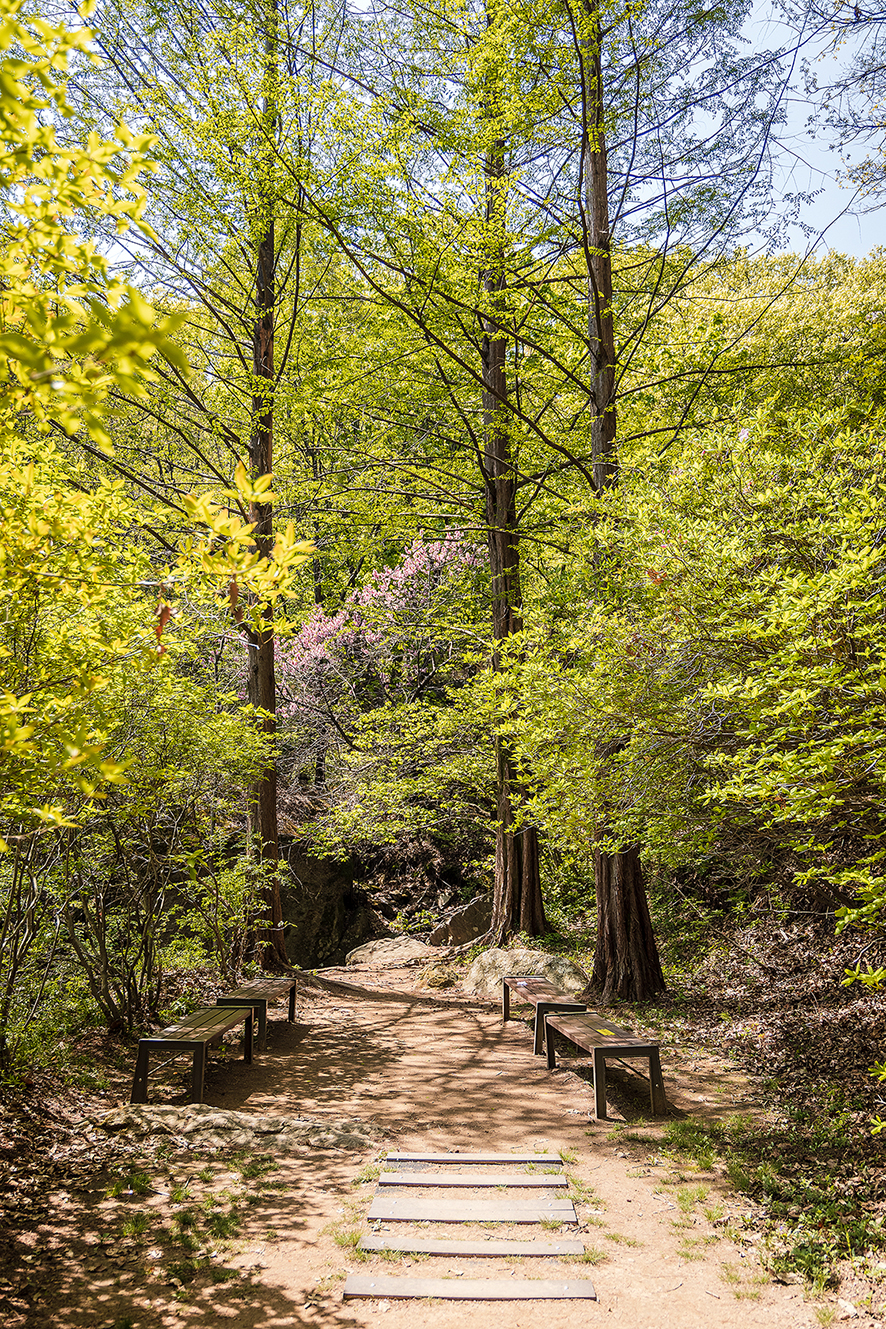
[(595, 1028), (271, 987), (200, 1025), (470, 1289), (532, 986)]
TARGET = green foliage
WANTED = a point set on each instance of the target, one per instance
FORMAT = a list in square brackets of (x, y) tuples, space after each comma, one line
[(702, 665), (69, 337), (147, 876), (734, 661), (69, 334), (119, 760), (258, 1166), (129, 1182), (799, 1170)]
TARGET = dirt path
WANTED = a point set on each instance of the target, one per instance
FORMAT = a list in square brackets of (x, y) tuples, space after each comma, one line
[(271, 1248)]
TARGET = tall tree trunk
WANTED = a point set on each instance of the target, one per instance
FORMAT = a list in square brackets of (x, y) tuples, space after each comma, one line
[(518, 905), (601, 330), (262, 683), (317, 569), (626, 961)]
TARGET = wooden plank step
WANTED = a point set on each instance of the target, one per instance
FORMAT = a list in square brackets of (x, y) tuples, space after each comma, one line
[(405, 1209), (521, 1179), (454, 1246), (470, 1289), (541, 1160)]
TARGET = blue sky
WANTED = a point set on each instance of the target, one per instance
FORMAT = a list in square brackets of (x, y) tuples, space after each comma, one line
[(811, 160)]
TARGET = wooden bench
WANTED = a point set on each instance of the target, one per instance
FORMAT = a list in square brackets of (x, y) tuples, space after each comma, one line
[(535, 989), (258, 993), (195, 1033), (599, 1036)]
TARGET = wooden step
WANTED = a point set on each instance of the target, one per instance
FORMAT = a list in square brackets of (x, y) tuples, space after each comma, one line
[(541, 1160), (453, 1246), (470, 1289), (406, 1209), (522, 1179)]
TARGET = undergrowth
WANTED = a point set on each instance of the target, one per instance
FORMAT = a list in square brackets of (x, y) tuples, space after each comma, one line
[(763, 986), (817, 1193)]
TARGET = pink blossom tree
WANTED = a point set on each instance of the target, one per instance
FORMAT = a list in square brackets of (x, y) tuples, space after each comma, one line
[(396, 640)]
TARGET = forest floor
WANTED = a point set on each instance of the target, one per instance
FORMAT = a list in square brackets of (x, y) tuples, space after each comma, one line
[(119, 1232)]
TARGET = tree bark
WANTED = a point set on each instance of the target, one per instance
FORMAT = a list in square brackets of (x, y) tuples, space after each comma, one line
[(601, 329), (626, 960), (626, 963), (517, 901), (261, 676)]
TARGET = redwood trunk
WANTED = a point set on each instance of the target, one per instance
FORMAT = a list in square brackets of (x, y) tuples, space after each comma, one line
[(626, 961), (601, 329), (261, 677), (517, 903)]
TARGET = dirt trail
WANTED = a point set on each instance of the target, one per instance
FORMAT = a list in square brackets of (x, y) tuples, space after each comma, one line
[(431, 1077)]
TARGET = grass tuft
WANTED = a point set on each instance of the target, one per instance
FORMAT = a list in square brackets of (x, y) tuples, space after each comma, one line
[(590, 1255)]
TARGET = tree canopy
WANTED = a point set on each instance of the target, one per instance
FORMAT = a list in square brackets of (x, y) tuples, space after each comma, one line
[(416, 396)]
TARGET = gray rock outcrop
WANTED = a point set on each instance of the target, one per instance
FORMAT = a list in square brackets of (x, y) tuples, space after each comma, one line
[(390, 951), (486, 972), (200, 1126), (328, 911), (465, 923)]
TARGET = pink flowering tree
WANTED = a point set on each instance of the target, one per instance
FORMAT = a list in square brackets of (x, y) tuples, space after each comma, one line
[(398, 640)]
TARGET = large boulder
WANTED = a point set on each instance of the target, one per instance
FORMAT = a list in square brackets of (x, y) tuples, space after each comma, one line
[(390, 951), (485, 974), (464, 924), (328, 911)]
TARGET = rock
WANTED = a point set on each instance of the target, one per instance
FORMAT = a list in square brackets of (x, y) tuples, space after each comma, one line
[(485, 974), (438, 976), (847, 1310), (200, 1126), (390, 951), (328, 911), (464, 924)]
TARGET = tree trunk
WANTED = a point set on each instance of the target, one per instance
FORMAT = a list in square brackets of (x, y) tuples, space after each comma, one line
[(601, 330), (626, 961), (517, 905), (261, 677)]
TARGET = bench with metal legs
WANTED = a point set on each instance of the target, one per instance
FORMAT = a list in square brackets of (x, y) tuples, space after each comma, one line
[(194, 1033), (595, 1034)]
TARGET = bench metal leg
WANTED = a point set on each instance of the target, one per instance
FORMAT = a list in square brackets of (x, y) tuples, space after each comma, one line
[(541, 1010), (550, 1036), (292, 1004), (140, 1079), (505, 1000), (599, 1084), (198, 1072), (247, 1039), (656, 1085), (262, 1008), (544, 1008)]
